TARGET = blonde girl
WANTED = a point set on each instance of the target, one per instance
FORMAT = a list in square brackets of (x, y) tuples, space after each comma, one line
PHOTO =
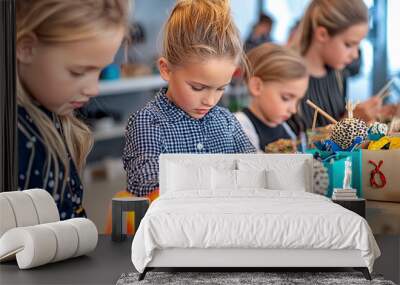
[(328, 38), (201, 51), (61, 48), (277, 83)]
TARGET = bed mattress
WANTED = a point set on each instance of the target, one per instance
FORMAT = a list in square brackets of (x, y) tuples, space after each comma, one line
[(250, 219)]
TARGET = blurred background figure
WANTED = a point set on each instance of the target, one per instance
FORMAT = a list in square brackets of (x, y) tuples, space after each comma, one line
[(292, 33), (260, 33)]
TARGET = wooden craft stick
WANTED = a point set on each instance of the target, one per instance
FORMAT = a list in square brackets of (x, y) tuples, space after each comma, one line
[(381, 92), (395, 122), (314, 119), (385, 94), (350, 106), (391, 126), (322, 112)]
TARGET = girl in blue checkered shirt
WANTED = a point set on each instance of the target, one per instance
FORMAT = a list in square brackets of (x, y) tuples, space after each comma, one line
[(201, 51)]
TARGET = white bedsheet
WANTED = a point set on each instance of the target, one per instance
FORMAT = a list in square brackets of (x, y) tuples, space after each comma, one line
[(252, 218)]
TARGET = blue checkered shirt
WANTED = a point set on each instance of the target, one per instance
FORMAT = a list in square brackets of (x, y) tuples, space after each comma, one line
[(162, 127)]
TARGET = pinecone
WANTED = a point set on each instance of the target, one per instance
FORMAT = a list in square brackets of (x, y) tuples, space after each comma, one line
[(346, 130)]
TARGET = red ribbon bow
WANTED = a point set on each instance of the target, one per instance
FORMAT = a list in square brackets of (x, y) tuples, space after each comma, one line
[(377, 171)]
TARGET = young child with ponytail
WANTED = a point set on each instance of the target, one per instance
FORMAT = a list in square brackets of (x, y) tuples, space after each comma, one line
[(328, 39), (278, 81), (201, 51)]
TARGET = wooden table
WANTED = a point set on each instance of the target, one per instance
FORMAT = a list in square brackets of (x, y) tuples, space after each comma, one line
[(355, 205)]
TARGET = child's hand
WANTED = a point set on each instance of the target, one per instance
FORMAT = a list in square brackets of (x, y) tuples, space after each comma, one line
[(368, 110), (389, 111)]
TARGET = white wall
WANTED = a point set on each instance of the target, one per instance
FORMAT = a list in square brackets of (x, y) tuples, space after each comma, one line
[(245, 14), (153, 13)]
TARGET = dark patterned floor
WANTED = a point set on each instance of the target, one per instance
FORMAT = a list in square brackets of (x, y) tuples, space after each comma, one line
[(269, 278)]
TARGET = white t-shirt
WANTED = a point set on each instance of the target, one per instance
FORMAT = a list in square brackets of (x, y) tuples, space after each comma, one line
[(249, 130)]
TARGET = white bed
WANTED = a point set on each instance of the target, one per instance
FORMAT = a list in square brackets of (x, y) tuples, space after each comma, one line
[(221, 211)]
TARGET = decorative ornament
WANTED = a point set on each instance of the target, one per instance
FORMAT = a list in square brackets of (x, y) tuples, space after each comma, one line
[(321, 178), (377, 131), (346, 131), (376, 171)]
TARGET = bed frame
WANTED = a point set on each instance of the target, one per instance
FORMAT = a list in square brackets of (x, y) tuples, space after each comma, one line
[(247, 259)]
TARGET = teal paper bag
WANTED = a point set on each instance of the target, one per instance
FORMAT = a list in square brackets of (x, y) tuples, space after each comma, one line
[(336, 166)]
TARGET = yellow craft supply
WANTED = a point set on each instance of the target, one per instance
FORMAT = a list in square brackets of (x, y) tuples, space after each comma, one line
[(379, 144), (394, 143)]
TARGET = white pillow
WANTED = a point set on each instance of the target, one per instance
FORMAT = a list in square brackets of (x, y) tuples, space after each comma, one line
[(182, 177), (198, 161), (188, 174), (280, 180), (251, 179), (287, 174), (224, 179)]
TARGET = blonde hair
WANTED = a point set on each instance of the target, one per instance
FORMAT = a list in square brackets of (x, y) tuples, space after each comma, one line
[(271, 62), (334, 15), (201, 29), (60, 21)]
